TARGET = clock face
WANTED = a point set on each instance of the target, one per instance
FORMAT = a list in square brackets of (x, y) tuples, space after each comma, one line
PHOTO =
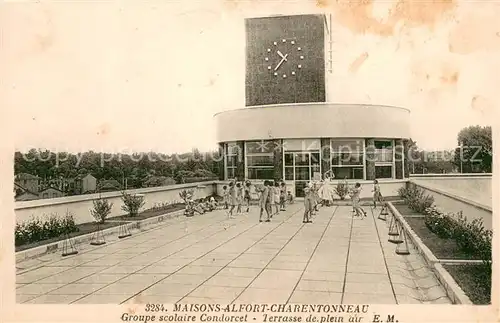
[(284, 58)]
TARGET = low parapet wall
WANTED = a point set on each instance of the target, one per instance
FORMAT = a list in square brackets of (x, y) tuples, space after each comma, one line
[(80, 205), (467, 193)]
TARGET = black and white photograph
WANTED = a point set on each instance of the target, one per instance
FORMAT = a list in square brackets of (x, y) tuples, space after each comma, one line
[(249, 161)]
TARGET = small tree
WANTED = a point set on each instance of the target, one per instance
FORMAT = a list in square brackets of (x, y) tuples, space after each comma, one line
[(102, 208), (132, 203), (186, 195), (342, 189)]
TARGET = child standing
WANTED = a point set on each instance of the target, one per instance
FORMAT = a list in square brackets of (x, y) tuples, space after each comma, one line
[(232, 198), (276, 197), (264, 202), (239, 196), (308, 205), (282, 196), (246, 196), (225, 197), (377, 196), (356, 191)]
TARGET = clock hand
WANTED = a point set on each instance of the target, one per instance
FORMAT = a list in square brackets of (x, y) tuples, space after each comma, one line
[(279, 64), (281, 55)]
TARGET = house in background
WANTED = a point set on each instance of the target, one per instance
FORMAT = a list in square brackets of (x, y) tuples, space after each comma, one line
[(50, 193), (85, 184), (109, 185), (154, 181), (28, 182), (22, 194)]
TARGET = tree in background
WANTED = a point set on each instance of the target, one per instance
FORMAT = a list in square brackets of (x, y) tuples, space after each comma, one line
[(475, 152), (56, 169), (429, 162)]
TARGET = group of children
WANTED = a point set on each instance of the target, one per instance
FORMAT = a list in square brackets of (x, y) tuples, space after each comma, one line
[(313, 200), (272, 197), (204, 205)]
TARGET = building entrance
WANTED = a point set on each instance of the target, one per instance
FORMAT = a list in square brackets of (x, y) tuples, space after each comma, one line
[(302, 167)]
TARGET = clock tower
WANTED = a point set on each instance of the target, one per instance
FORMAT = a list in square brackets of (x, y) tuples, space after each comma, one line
[(285, 61)]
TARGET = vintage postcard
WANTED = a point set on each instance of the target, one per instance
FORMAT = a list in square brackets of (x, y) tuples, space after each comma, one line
[(249, 161)]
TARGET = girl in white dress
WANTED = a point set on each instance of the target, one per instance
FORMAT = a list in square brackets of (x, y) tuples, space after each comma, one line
[(326, 191)]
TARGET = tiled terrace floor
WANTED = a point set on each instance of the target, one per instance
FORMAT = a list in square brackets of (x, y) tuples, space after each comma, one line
[(209, 258)]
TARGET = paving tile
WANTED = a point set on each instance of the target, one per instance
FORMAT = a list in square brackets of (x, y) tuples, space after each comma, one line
[(77, 289), (262, 295), (220, 280), (239, 272), (159, 269), (366, 278), (322, 286), (199, 270), (219, 292), (287, 265), (101, 299), (54, 299), (360, 298), (323, 275), (316, 297), (122, 269), (121, 289), (170, 289), (99, 278), (24, 298), (366, 269), (276, 279), (37, 289), (368, 288)]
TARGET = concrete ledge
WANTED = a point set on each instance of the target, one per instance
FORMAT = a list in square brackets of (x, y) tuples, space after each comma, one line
[(54, 246), (453, 290), (459, 262), (429, 257), (453, 196), (455, 293)]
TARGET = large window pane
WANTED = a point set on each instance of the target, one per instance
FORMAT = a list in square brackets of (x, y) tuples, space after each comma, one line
[(347, 159), (301, 145), (288, 159), (231, 161), (260, 173), (383, 171), (231, 172), (380, 144), (315, 160), (232, 148), (259, 147), (347, 146), (260, 160), (348, 172), (301, 159), (302, 173), (289, 173), (383, 155)]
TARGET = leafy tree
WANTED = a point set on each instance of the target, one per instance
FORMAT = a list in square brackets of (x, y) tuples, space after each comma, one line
[(476, 152)]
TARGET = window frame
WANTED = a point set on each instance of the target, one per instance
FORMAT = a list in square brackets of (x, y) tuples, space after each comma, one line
[(261, 154), (362, 152)]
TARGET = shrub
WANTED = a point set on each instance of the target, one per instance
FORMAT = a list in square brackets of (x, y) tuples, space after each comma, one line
[(37, 230), (416, 199), (102, 208), (186, 195), (442, 224), (342, 189), (132, 203)]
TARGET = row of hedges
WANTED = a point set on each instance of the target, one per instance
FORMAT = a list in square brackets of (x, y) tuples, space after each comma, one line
[(470, 236), (37, 229)]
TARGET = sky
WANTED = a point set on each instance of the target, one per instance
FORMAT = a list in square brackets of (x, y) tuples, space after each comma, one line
[(129, 76)]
